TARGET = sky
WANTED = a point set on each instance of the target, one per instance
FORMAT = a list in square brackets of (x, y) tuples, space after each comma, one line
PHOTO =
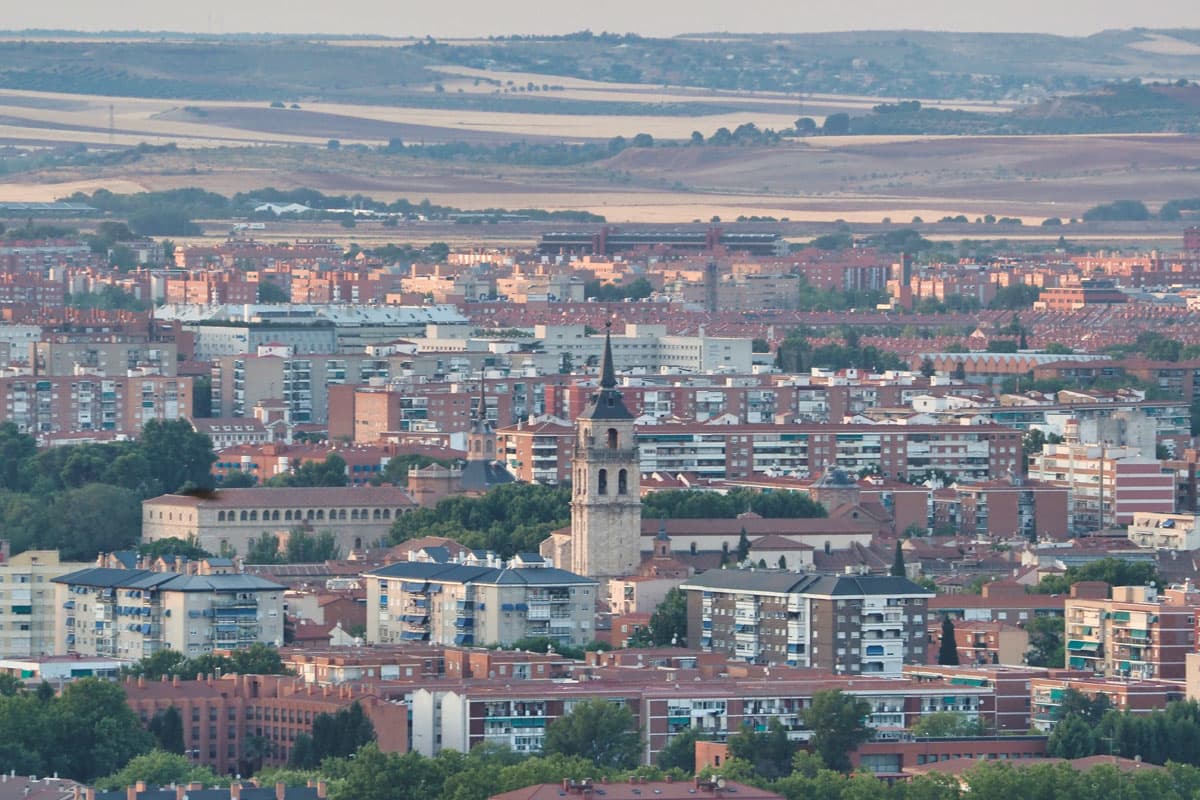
[(471, 18)]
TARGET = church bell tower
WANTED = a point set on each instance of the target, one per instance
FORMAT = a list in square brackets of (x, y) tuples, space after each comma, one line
[(606, 503)]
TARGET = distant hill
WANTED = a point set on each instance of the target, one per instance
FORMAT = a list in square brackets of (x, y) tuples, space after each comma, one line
[(884, 64)]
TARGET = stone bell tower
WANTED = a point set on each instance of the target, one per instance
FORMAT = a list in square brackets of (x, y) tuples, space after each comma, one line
[(606, 502)]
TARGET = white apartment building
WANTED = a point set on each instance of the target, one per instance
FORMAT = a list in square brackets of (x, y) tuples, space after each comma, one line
[(27, 602), (134, 613)]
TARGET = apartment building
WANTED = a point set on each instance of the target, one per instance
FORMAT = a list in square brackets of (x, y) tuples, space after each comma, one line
[(366, 413), (1012, 507), (134, 613), (222, 715), (1138, 634), (1008, 712), (44, 406), (648, 348), (27, 602), (1165, 531), (966, 452), (358, 516), (666, 696), (537, 451), (851, 624), (461, 604), (1107, 486), (106, 356), (300, 380), (979, 642)]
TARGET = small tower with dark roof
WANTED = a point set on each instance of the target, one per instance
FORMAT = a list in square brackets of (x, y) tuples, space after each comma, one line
[(482, 470), (606, 503)]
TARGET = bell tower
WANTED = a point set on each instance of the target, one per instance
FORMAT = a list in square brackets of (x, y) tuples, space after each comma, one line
[(606, 502)]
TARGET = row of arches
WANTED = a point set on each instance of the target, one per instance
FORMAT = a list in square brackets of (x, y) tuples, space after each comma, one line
[(622, 482), (312, 514)]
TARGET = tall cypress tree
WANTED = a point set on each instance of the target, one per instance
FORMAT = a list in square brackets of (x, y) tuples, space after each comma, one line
[(743, 547), (898, 568), (948, 652)]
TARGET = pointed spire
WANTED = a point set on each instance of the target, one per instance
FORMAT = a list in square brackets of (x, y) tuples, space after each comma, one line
[(608, 376)]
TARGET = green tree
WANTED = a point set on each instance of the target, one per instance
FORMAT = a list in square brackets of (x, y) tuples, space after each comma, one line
[(680, 751), (948, 650), (836, 124), (173, 546), (160, 768), (306, 548), (330, 472), (155, 666), (668, 623), (16, 450), (269, 292), (333, 735), (743, 547), (770, 751), (239, 479), (263, 550), (597, 730), (94, 711), (899, 569), (396, 470), (1045, 642), (202, 397), (177, 455), (167, 728), (839, 724), (1072, 737), (947, 723), (373, 775)]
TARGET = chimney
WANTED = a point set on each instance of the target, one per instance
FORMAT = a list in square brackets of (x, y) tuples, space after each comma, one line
[(235, 791), (140, 786), (280, 791), (141, 681), (76, 793), (322, 789), (180, 791), (566, 784), (131, 793), (195, 787), (89, 793), (175, 681)]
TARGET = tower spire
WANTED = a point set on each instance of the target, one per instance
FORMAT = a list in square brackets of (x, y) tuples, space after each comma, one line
[(608, 376)]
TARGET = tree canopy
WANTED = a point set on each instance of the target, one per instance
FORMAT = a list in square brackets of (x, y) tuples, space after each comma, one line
[(333, 735), (695, 504), (597, 730), (839, 724), (510, 519), (85, 499), (257, 659), (85, 733), (1113, 571)]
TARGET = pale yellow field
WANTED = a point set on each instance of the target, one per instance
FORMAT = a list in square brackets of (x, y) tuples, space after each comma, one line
[(137, 120)]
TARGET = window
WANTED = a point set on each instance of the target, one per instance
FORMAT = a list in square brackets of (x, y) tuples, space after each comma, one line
[(623, 482)]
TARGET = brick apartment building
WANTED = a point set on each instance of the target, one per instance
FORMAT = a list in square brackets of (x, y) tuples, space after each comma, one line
[(849, 624), (222, 715), (1139, 633)]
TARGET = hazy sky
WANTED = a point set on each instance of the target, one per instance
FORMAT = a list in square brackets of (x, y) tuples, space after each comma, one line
[(650, 17)]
